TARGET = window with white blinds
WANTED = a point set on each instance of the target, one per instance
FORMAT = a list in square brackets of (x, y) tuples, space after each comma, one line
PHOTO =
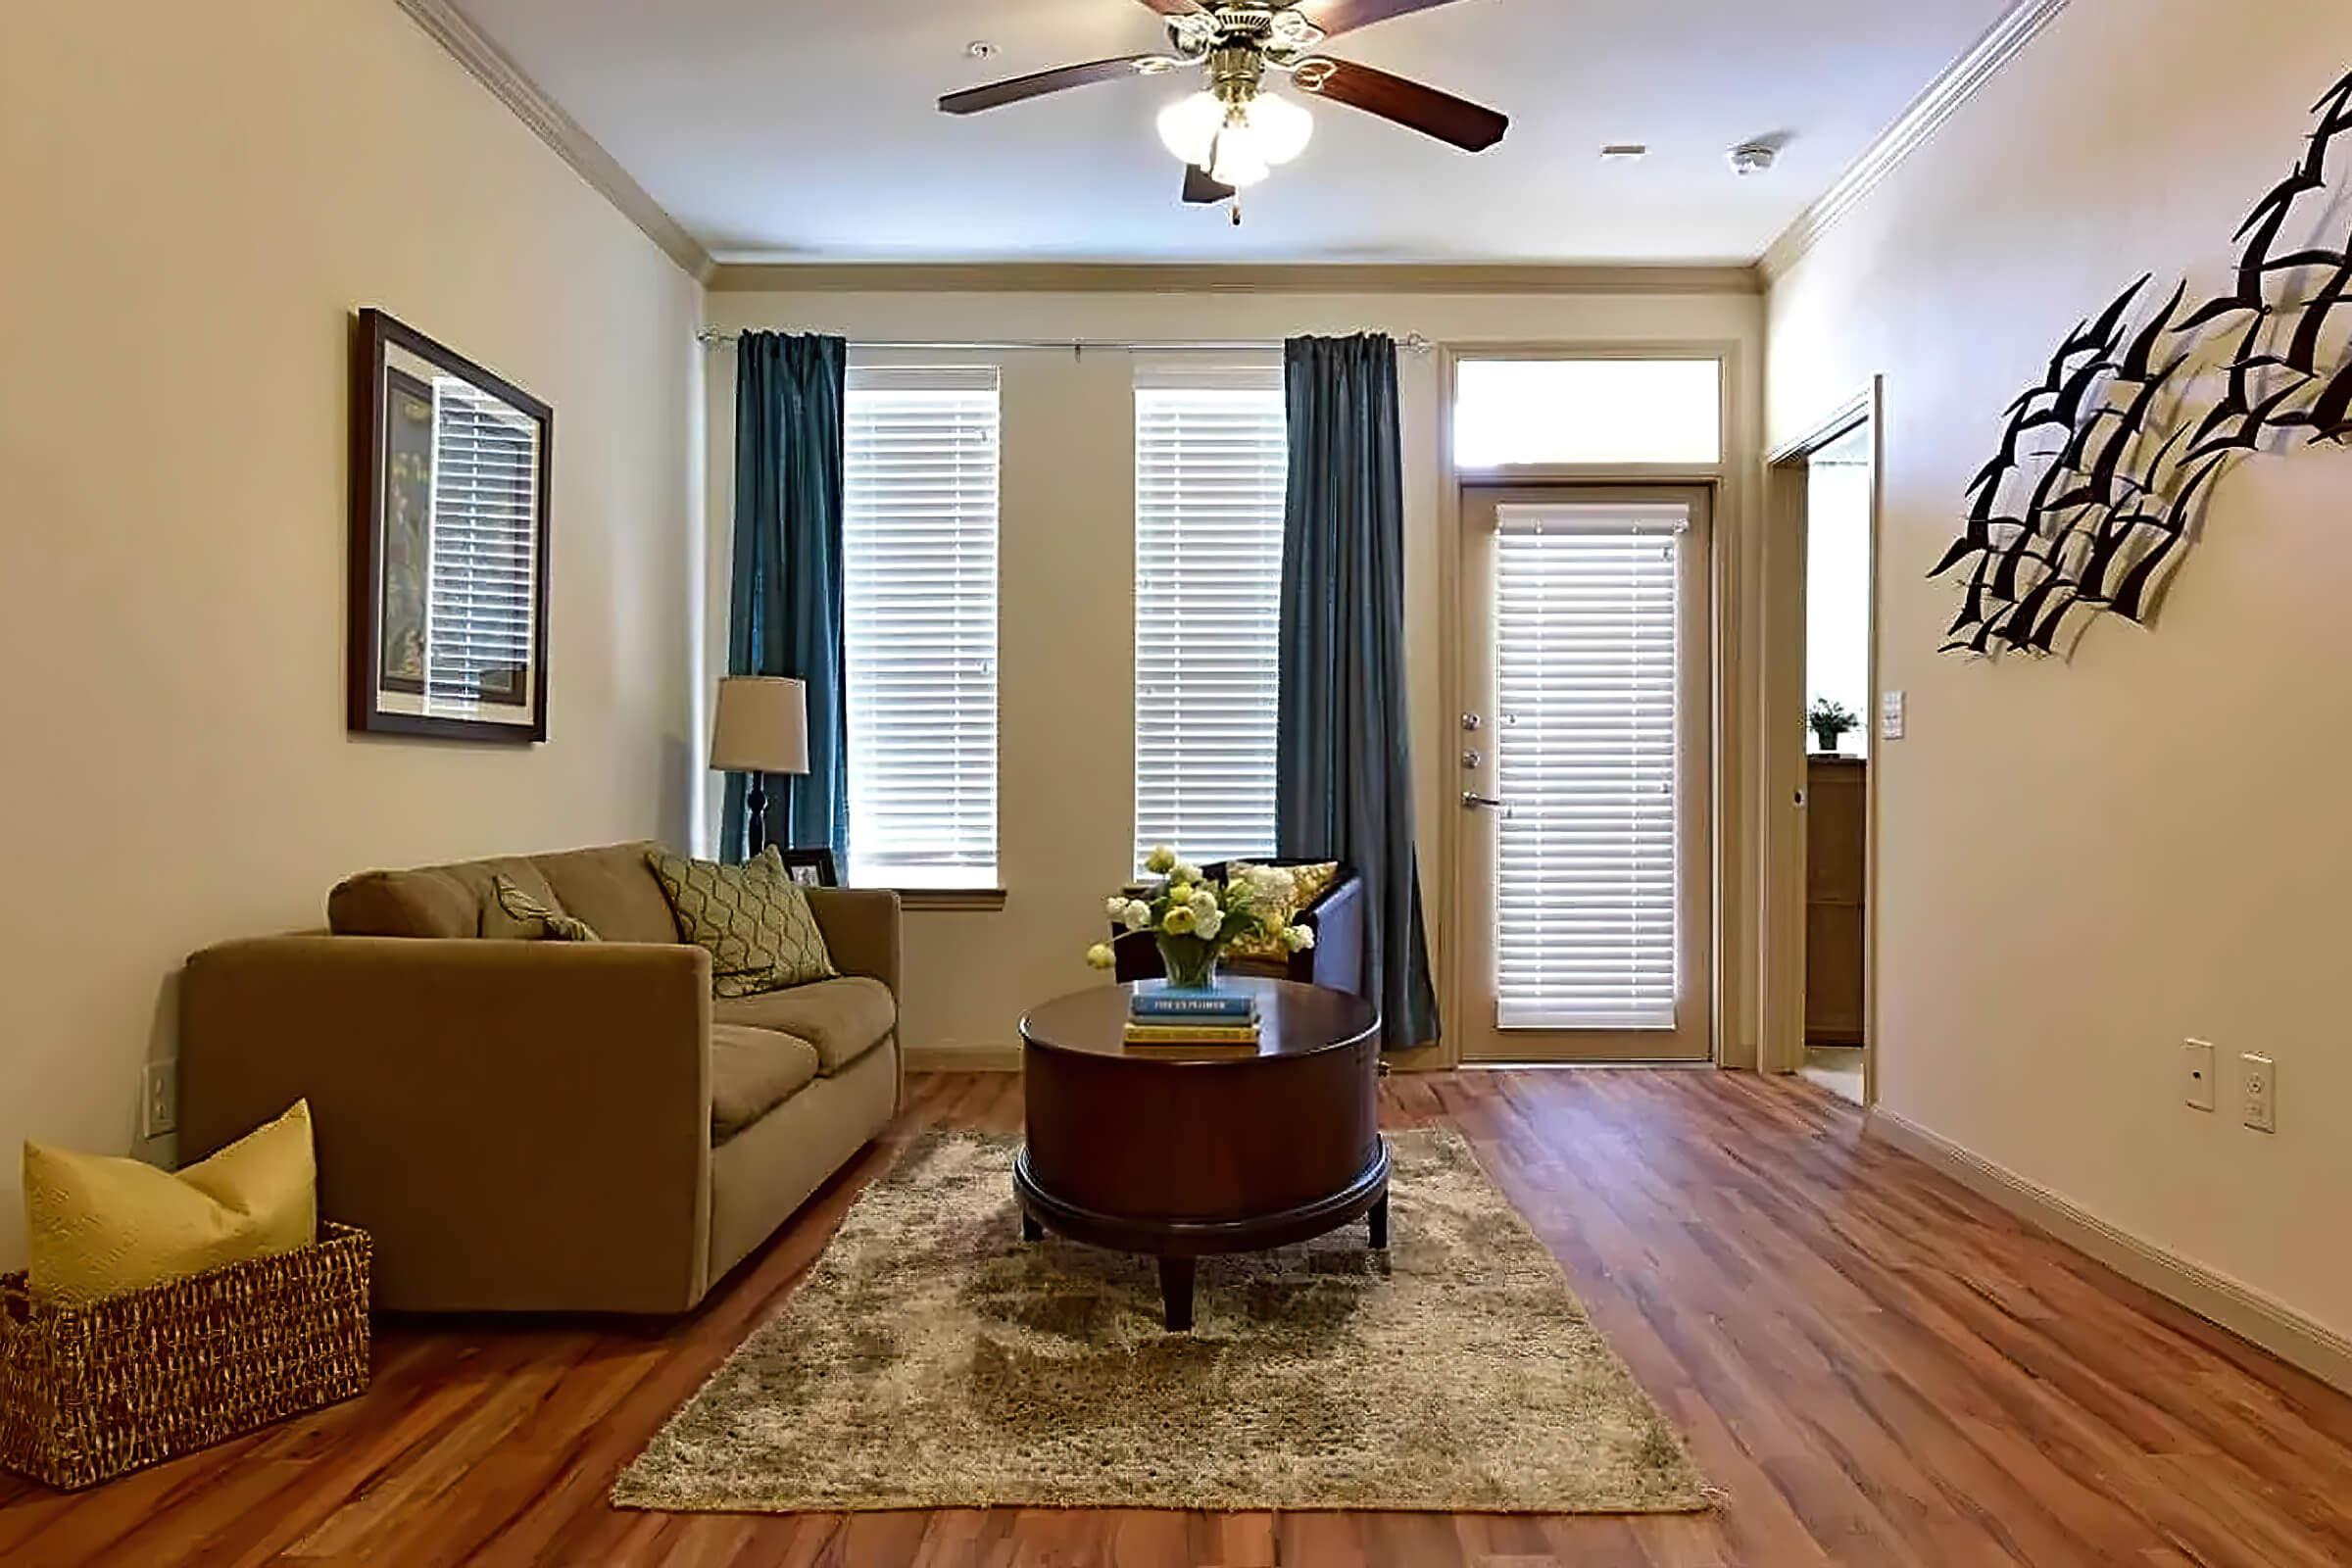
[(1210, 468), (1587, 754), (919, 570), (484, 534)]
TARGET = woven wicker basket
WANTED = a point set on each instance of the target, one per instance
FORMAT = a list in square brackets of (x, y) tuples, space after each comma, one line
[(88, 1392)]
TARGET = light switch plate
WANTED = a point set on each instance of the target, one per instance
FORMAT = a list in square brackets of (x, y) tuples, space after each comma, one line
[(1891, 715), (159, 1111), (2258, 1077), (2196, 1073)]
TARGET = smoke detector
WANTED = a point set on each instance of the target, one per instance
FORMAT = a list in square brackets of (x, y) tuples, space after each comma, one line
[(1754, 158)]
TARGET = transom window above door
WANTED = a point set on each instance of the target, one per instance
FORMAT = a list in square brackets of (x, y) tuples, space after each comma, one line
[(1510, 413)]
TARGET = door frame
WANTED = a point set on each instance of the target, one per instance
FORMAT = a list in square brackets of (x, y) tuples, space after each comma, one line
[(1781, 960), (1727, 481)]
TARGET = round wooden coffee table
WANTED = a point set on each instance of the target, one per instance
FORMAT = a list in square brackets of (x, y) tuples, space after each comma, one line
[(1181, 1152)]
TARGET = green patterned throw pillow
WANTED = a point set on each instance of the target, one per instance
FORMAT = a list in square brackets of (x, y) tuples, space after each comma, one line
[(753, 918), (512, 914)]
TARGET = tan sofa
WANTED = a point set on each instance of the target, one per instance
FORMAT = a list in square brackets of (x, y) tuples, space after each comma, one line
[(544, 1125)]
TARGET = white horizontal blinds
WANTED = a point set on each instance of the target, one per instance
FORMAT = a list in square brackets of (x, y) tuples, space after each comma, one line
[(1210, 466), (484, 534), (1587, 756), (919, 569)]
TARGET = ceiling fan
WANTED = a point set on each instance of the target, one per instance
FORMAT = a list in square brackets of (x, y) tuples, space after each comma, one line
[(1232, 133)]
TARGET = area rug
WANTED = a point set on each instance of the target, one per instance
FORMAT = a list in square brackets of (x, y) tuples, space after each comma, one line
[(932, 1359)]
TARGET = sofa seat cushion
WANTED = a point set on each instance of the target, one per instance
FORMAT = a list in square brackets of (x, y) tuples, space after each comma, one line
[(431, 900), (614, 890), (753, 1072), (844, 1019)]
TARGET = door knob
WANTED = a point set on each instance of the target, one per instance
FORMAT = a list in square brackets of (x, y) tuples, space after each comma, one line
[(1486, 803)]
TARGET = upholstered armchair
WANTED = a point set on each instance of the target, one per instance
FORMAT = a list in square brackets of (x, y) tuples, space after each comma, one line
[(1337, 959)]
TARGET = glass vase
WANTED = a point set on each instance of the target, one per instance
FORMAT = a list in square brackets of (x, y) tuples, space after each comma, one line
[(1190, 962)]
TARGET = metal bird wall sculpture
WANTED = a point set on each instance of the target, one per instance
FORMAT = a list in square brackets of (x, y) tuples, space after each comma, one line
[(2106, 463)]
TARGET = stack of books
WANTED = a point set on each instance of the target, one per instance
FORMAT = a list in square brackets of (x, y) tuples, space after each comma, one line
[(1192, 1018)]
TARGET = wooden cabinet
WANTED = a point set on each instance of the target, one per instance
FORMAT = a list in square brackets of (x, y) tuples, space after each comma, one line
[(1836, 851)]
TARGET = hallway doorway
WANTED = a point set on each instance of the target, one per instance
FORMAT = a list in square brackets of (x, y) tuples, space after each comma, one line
[(1822, 714)]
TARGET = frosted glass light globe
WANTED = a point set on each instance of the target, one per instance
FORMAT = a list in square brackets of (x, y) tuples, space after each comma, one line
[(1238, 161), (1188, 128), (1280, 128)]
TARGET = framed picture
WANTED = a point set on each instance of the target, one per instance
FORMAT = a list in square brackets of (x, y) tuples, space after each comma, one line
[(811, 868), (449, 537)]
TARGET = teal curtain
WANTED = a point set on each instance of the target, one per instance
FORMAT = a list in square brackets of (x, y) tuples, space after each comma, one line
[(785, 605), (1343, 755)]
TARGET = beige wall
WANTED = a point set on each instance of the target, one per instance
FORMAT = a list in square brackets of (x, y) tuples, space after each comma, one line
[(195, 198), (1067, 658), (2082, 862)]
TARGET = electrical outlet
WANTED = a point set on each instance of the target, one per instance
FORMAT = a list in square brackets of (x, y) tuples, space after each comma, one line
[(1891, 715), (2196, 1073), (160, 1111), (2259, 1078)]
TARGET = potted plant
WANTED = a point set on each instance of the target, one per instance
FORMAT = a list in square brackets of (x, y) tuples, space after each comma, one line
[(1195, 917), (1829, 719)]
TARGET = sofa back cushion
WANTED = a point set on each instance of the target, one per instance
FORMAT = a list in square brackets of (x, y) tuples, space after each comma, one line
[(614, 890), (437, 900)]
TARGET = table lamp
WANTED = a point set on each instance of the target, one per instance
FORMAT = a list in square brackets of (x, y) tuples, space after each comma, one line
[(761, 728)]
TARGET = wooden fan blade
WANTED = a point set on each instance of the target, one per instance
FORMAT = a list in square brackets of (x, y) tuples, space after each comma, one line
[(1177, 8), (1199, 189), (1336, 17), (1037, 84), (1432, 113)]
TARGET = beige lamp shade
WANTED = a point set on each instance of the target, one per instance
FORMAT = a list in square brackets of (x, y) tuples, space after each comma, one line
[(762, 725)]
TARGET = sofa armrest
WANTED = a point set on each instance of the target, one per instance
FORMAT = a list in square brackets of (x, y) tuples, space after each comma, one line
[(1337, 959), (861, 930), (522, 1125)]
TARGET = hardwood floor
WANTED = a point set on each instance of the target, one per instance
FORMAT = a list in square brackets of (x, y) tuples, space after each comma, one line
[(1875, 1366)]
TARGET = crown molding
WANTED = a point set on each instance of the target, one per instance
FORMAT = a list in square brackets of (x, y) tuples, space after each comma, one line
[(1943, 100), (473, 49), (1087, 277)]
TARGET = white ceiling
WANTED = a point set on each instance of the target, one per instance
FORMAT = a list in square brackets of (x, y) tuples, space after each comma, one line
[(804, 130)]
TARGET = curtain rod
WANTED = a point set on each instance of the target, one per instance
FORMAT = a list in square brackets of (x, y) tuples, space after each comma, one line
[(1411, 342)]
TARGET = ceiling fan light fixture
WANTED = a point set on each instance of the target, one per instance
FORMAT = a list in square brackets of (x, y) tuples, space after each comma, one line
[(1189, 127)]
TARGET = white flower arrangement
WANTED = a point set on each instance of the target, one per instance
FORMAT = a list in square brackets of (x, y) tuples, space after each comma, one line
[(1195, 918)]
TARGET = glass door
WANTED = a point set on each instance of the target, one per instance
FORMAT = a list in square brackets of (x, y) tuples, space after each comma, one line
[(1583, 768)]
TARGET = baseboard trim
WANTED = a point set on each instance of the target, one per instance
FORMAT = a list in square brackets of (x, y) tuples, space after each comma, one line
[(2244, 1311), (977, 1056)]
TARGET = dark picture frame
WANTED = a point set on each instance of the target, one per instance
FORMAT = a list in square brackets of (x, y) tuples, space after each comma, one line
[(403, 384), (811, 868)]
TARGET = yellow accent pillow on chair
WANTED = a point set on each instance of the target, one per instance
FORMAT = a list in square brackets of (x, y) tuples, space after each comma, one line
[(1307, 884), (99, 1226)]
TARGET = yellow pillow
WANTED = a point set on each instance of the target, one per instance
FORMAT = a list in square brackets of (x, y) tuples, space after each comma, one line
[(1307, 884), (100, 1226)]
